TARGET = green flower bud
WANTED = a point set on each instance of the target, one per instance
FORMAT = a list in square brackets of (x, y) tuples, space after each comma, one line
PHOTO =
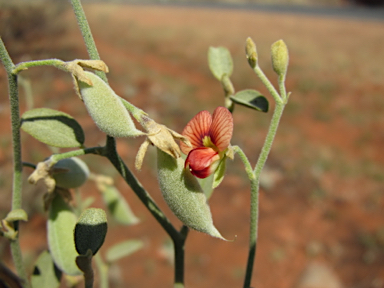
[(90, 230), (70, 173), (106, 108), (184, 195), (280, 57), (60, 227), (251, 52)]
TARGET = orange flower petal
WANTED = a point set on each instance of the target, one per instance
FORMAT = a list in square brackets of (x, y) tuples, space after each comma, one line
[(221, 128), (196, 130), (202, 162)]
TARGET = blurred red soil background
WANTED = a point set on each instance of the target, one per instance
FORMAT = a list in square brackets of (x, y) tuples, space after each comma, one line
[(322, 200)]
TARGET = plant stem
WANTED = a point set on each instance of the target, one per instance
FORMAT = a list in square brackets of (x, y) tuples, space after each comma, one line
[(131, 180), (110, 149), (93, 150), (267, 84), (87, 35), (255, 185), (179, 245), (47, 62), (17, 163)]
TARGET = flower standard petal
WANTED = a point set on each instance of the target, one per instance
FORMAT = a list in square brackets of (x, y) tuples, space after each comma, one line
[(196, 130), (202, 162), (221, 128)]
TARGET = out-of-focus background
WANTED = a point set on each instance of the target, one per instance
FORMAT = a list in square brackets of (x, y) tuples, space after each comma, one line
[(322, 197)]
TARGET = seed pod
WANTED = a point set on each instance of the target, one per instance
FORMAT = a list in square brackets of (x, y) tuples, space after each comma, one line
[(106, 108), (90, 230), (70, 173), (184, 195), (60, 227)]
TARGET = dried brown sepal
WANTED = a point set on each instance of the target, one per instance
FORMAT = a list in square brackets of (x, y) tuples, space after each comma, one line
[(141, 153), (76, 66), (92, 64), (162, 137), (8, 230), (49, 196), (43, 171)]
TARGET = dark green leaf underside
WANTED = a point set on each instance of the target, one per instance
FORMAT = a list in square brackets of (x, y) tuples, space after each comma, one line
[(252, 99)]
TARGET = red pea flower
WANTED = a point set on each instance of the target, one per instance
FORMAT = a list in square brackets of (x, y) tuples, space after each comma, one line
[(210, 137)]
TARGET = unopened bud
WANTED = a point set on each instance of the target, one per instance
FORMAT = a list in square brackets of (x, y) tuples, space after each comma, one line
[(280, 57), (251, 52)]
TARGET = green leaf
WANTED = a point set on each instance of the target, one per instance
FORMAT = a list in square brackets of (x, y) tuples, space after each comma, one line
[(53, 127), (123, 249), (60, 226), (220, 62), (252, 99), (118, 206), (45, 272), (17, 215)]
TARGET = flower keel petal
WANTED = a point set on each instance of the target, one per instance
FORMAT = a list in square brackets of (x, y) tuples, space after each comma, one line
[(202, 162)]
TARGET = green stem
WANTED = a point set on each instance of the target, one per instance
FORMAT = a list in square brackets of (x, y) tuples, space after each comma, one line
[(87, 35), (93, 150), (17, 163), (137, 113), (283, 92), (110, 151), (255, 185), (138, 189), (267, 84), (244, 159), (29, 64), (179, 246)]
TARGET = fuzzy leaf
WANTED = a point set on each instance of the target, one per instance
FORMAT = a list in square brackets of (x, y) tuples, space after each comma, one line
[(123, 249), (53, 127), (61, 224), (252, 99), (45, 272), (220, 62)]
